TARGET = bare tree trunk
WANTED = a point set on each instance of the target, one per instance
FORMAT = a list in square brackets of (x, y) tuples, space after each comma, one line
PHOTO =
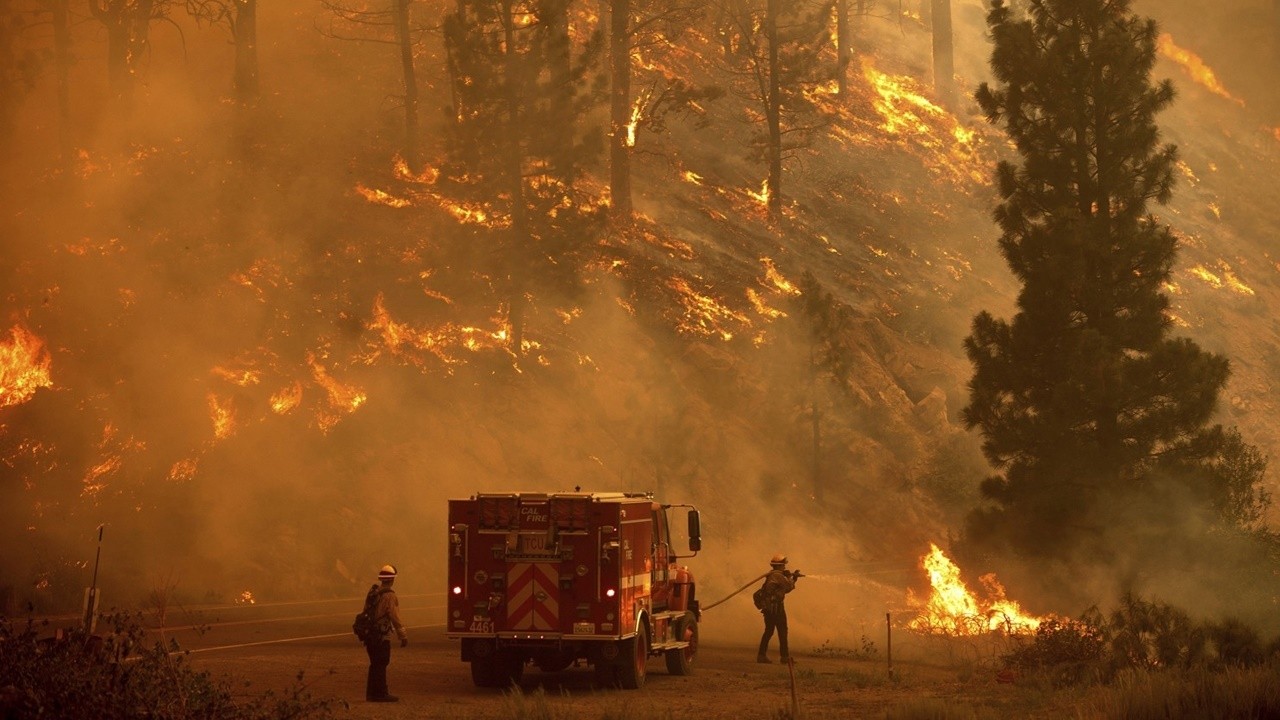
[(245, 30), (773, 111), (518, 247), (620, 140), (127, 23), (412, 155), (844, 47), (62, 67), (561, 60), (943, 53)]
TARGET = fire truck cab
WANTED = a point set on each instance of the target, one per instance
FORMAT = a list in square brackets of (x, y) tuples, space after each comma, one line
[(554, 579)]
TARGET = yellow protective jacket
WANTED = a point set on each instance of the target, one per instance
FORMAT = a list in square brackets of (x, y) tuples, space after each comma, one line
[(387, 615)]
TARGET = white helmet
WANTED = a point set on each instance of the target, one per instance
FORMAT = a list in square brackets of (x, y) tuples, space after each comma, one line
[(388, 572), (778, 559)]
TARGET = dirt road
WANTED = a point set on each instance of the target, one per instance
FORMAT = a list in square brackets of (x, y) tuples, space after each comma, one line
[(268, 646)]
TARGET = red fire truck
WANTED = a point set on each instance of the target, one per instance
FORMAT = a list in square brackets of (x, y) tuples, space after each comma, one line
[(553, 579)]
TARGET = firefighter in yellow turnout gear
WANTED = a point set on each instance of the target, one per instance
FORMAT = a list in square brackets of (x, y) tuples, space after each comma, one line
[(777, 584)]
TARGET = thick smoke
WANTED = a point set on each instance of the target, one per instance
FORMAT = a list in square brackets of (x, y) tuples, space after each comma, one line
[(199, 259)]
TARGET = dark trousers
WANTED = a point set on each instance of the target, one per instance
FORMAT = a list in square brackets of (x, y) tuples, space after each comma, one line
[(379, 659), (775, 619)]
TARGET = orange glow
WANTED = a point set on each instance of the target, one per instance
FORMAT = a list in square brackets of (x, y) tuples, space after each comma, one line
[(910, 119), (24, 367), (342, 397), (637, 110), (382, 197), (284, 401), (953, 610), (775, 278), (761, 197), (223, 417), (1195, 67), (704, 315), (183, 470)]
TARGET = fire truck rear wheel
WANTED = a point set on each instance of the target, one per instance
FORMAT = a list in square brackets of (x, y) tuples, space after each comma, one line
[(680, 660), (633, 654)]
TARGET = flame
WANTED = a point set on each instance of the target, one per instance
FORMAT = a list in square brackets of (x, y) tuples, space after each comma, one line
[(243, 378), (444, 341), (779, 282), (223, 417), (284, 401), (381, 197), (347, 398), (637, 110), (909, 118), (1224, 278), (704, 315), (761, 197), (428, 176), (24, 367), (696, 179), (246, 598), (953, 610), (1195, 67), (184, 470)]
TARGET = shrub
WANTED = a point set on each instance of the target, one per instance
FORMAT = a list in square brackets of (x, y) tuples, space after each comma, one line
[(1069, 651), (117, 676)]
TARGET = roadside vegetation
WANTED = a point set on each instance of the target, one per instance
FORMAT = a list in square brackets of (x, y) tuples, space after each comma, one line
[(47, 673)]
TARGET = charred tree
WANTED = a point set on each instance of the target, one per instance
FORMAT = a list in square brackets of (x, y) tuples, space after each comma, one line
[(392, 25), (1095, 416), (128, 26), (245, 31), (844, 46), (515, 146), (240, 19), (781, 62), (773, 108), (19, 68), (943, 52), (621, 129), (62, 70), (409, 75), (642, 26)]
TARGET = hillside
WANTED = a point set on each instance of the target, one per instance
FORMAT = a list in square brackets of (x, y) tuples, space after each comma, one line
[(268, 370)]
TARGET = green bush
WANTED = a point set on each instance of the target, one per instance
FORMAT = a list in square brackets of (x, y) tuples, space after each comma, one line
[(117, 676)]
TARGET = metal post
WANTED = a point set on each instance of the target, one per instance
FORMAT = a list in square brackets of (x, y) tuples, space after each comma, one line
[(91, 595), (888, 633)]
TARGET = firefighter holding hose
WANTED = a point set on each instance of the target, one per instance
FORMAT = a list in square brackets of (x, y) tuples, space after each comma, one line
[(777, 583)]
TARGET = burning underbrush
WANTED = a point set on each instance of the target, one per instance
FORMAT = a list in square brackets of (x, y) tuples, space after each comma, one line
[(990, 631)]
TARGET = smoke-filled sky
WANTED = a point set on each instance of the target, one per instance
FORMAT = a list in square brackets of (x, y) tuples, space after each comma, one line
[(272, 356)]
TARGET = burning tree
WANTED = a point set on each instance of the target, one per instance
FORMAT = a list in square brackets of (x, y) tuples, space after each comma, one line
[(1095, 416), (780, 58), (513, 141)]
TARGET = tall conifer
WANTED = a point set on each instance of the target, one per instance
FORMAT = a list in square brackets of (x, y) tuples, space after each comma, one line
[(1091, 411)]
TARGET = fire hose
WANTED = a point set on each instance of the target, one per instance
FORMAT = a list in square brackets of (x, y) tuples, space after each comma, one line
[(735, 592)]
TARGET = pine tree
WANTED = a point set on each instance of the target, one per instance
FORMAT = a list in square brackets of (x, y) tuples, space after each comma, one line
[(514, 141), (1087, 405), (780, 59)]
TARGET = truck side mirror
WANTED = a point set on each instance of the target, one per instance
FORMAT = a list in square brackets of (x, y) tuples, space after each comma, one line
[(695, 532)]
